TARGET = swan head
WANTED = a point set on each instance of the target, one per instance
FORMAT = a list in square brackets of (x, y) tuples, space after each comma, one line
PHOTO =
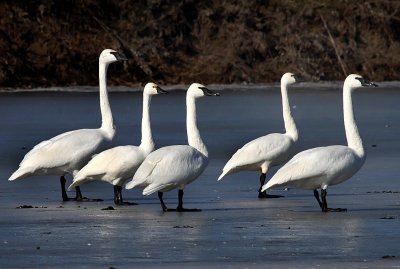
[(197, 90), (290, 78), (108, 56), (153, 89), (354, 81)]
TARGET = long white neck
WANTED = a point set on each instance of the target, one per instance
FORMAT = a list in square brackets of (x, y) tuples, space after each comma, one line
[(107, 123), (147, 143), (290, 125), (353, 137), (193, 134)]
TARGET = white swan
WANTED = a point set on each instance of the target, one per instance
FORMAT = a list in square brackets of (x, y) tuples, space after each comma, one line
[(176, 166), (69, 152), (270, 150), (118, 164), (321, 167)]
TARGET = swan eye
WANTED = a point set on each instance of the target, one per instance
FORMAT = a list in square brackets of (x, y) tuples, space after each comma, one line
[(361, 79), (119, 56), (159, 90)]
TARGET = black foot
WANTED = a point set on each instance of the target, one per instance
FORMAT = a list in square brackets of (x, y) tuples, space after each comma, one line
[(125, 203), (81, 199), (334, 210), (181, 210), (264, 195), (324, 204), (85, 199)]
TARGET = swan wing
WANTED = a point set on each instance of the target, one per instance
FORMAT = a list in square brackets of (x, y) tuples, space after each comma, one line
[(314, 168), (268, 148), (172, 165), (43, 144), (112, 165), (71, 147)]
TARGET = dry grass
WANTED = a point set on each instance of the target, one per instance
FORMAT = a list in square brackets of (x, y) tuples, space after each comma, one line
[(46, 43)]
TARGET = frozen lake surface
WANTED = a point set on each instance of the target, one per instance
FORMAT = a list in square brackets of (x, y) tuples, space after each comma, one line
[(235, 228)]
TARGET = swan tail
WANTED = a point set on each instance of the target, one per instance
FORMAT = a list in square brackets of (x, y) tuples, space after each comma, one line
[(224, 173), (132, 184), (21, 173), (266, 186), (227, 170), (155, 188), (272, 183), (74, 184)]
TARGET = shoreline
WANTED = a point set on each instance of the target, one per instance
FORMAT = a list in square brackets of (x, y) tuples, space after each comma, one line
[(325, 85)]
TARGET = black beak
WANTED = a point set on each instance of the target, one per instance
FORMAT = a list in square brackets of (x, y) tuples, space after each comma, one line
[(366, 83), (159, 90), (119, 56), (298, 78), (208, 92)]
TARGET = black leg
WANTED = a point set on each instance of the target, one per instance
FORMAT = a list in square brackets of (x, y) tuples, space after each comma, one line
[(263, 195), (117, 195), (262, 182), (316, 195), (325, 207), (63, 192), (78, 196), (180, 204), (163, 206)]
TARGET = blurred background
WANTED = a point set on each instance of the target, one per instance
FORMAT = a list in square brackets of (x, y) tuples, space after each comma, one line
[(57, 43)]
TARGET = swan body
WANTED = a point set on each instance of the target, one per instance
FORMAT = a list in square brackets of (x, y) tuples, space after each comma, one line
[(321, 167), (175, 166), (270, 150), (318, 168), (118, 164), (63, 154), (260, 154), (68, 152), (169, 168)]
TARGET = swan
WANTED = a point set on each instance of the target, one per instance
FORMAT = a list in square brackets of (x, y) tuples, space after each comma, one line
[(270, 150), (70, 151), (176, 166), (118, 164), (318, 168)]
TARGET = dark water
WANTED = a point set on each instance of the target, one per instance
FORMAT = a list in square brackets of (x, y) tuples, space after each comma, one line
[(235, 229)]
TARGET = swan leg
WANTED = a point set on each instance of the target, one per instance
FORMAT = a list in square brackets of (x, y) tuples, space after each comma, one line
[(264, 195), (163, 206), (180, 204), (325, 207), (78, 197), (63, 192), (118, 196), (316, 195), (262, 182)]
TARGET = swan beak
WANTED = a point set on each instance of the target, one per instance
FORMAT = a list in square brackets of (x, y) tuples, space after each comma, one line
[(374, 84), (208, 92), (298, 78), (366, 83), (119, 56), (160, 91)]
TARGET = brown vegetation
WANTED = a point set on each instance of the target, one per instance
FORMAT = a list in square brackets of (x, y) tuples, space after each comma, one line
[(45, 43)]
